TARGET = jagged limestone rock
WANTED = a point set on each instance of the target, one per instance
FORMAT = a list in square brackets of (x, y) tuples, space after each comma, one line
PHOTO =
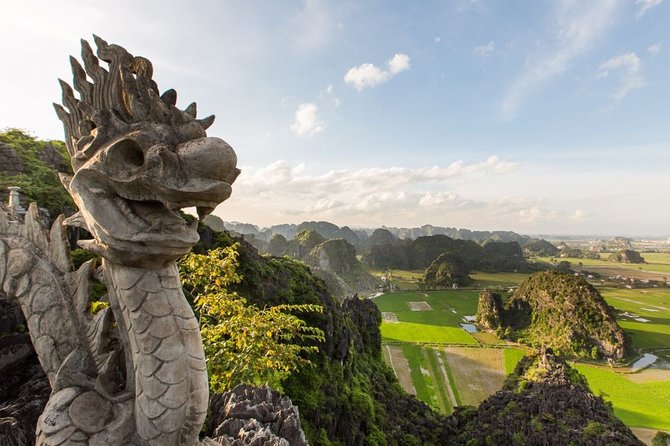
[(489, 309), (250, 415), (134, 373), (543, 402)]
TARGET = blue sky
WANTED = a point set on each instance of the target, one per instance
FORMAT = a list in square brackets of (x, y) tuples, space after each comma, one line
[(533, 116)]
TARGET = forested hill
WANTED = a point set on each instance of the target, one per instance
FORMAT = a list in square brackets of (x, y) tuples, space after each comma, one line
[(359, 236), (420, 253), (543, 402), (33, 165), (557, 310)]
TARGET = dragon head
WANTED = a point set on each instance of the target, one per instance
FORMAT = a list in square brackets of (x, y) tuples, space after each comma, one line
[(138, 159)]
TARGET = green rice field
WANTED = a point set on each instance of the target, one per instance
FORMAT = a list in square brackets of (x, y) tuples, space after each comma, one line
[(651, 330), (445, 361), (439, 325), (638, 404)]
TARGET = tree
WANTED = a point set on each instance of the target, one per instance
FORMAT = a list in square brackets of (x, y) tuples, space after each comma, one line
[(244, 343)]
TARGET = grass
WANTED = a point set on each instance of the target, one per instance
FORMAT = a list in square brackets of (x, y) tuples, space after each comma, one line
[(644, 404), (477, 372), (438, 376), (424, 334), (428, 378), (645, 335), (404, 280), (506, 280), (656, 262), (452, 381), (423, 382), (487, 338), (512, 357), (637, 404), (438, 326)]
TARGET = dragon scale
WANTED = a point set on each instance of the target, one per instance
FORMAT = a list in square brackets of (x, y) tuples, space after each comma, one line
[(170, 378)]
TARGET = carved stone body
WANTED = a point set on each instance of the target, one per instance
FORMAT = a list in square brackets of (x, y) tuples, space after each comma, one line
[(134, 373)]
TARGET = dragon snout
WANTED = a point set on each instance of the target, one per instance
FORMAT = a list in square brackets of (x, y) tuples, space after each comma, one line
[(210, 158)]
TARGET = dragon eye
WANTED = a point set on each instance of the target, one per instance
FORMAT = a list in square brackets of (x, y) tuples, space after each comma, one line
[(127, 151)]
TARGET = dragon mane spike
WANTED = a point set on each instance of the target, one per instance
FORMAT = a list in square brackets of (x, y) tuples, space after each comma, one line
[(111, 100), (191, 110), (207, 122), (79, 80), (169, 97)]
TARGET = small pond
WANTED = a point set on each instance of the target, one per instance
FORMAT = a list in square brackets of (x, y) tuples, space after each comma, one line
[(646, 360), (470, 328)]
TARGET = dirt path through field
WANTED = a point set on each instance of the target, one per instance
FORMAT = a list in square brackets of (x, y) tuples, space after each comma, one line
[(445, 377), (649, 376), (658, 307), (645, 435), (400, 368), (477, 372)]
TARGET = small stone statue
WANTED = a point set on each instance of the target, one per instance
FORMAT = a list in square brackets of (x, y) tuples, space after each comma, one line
[(133, 373)]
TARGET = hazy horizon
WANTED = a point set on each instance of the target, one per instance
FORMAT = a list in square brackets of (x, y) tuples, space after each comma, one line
[(539, 234), (545, 117)]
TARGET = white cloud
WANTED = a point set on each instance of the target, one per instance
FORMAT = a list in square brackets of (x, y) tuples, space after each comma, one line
[(368, 75), (485, 50), (399, 62), (579, 26), (366, 193), (437, 39), (645, 6), (631, 79), (306, 121), (280, 177), (655, 48)]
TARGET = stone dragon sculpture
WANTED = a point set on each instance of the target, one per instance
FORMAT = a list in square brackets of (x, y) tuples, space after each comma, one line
[(133, 373)]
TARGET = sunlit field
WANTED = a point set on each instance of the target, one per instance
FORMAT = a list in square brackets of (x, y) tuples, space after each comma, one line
[(447, 366)]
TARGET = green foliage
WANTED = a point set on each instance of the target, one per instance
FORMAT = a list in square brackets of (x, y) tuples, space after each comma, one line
[(39, 183), (244, 343), (81, 256), (566, 313), (661, 439), (446, 271), (97, 306), (594, 429)]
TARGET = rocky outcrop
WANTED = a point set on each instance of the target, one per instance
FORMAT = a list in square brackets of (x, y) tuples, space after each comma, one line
[(9, 161), (366, 316), (339, 258), (250, 415), (489, 310), (626, 256), (24, 389), (446, 271), (544, 402), (50, 156), (540, 248), (564, 312)]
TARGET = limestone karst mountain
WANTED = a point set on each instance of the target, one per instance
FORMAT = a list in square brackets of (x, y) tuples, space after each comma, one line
[(556, 310)]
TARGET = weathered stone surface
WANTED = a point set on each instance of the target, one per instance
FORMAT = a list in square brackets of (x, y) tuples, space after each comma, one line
[(250, 415), (9, 160), (489, 310), (137, 159)]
